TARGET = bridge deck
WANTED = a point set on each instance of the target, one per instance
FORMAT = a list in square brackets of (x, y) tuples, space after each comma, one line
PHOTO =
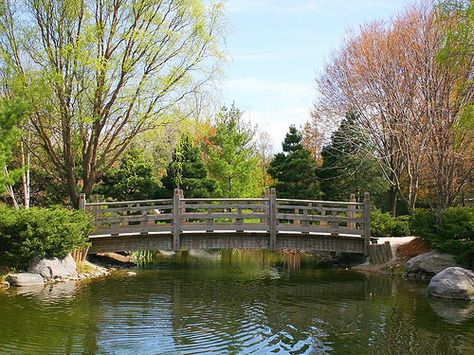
[(260, 223)]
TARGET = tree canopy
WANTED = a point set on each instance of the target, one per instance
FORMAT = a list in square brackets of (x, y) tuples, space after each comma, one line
[(348, 165), (188, 172), (132, 179), (294, 170), (232, 158), (107, 71)]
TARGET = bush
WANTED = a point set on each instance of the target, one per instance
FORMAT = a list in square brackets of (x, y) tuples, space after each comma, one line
[(26, 234), (384, 225), (451, 232)]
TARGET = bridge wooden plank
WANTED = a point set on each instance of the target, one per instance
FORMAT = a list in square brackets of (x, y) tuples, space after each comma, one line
[(315, 208), (192, 227), (136, 218), (223, 206), (317, 229), (133, 208), (341, 203), (145, 228), (316, 218), (112, 203), (204, 215)]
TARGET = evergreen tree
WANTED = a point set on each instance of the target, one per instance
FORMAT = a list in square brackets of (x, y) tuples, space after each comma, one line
[(294, 170), (133, 179), (11, 113), (348, 166), (188, 172), (233, 159)]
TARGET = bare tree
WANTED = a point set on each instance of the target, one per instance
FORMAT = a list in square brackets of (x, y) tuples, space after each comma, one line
[(389, 75)]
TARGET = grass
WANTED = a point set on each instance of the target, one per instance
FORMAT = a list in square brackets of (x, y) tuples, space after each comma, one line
[(84, 267)]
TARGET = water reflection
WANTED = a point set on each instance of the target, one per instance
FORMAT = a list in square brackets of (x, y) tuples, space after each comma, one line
[(453, 311), (237, 303)]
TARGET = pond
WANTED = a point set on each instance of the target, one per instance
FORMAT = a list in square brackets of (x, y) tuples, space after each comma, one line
[(233, 302)]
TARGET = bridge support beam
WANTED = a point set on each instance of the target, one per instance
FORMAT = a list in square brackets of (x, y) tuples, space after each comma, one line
[(176, 218), (366, 223), (272, 220)]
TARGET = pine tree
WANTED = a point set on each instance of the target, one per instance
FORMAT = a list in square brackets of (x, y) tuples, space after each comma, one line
[(233, 159), (133, 179), (348, 167), (188, 172), (294, 170)]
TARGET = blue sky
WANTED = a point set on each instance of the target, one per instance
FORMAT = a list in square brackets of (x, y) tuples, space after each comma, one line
[(276, 48)]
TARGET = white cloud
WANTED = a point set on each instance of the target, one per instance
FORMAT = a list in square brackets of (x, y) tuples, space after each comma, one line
[(276, 123)]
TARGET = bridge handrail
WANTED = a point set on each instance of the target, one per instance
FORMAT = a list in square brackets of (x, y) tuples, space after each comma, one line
[(323, 202), (132, 202), (268, 214)]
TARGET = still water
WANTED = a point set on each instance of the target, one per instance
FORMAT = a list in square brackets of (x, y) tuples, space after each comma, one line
[(233, 302)]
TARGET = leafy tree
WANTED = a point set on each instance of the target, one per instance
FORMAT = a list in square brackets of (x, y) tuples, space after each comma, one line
[(107, 71), (348, 166), (11, 113), (294, 170), (188, 172), (132, 180), (232, 157)]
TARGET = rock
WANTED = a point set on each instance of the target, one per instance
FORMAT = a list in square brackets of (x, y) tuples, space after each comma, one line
[(4, 284), (453, 283), (55, 268), (426, 265), (25, 279), (131, 273)]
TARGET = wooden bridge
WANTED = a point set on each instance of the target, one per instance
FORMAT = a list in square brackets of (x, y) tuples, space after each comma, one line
[(246, 223)]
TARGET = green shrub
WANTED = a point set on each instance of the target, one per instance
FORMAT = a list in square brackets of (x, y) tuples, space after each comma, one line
[(39, 232), (451, 232), (384, 225)]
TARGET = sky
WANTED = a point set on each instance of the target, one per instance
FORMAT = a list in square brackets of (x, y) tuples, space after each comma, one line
[(277, 47)]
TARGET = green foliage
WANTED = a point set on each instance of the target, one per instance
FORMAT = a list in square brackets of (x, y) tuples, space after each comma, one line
[(347, 167), (188, 172), (26, 234), (294, 170), (385, 225), (11, 113), (451, 231), (133, 179), (232, 158)]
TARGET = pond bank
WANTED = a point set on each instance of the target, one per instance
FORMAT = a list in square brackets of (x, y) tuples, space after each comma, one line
[(51, 271)]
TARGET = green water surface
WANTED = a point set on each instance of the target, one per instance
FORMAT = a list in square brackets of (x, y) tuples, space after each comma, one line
[(233, 302)]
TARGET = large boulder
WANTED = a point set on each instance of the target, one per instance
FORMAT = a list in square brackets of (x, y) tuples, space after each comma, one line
[(51, 269), (25, 279), (427, 265), (453, 283)]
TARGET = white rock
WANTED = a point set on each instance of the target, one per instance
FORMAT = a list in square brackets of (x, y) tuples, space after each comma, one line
[(453, 283), (24, 279), (55, 268)]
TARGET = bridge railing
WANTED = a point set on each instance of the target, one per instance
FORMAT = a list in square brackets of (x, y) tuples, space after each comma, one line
[(269, 214)]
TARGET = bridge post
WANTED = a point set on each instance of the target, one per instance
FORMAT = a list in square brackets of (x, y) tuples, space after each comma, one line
[(272, 218), (82, 201), (176, 218), (352, 211), (366, 223)]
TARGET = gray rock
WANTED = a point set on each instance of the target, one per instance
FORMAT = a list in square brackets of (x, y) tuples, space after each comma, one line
[(55, 268), (453, 283), (426, 265), (24, 279)]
